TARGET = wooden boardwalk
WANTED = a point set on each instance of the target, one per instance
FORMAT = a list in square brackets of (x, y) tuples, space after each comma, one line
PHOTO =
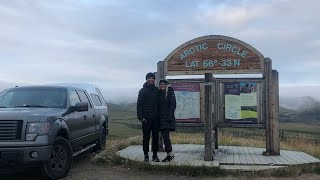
[(226, 156)]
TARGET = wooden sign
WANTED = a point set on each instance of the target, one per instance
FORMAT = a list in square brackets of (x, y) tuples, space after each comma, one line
[(214, 54)]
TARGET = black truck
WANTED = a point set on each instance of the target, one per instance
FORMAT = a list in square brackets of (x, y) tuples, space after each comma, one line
[(46, 126)]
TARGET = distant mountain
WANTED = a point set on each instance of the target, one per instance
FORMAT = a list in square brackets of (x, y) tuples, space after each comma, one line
[(125, 107), (291, 109), (300, 109), (298, 103)]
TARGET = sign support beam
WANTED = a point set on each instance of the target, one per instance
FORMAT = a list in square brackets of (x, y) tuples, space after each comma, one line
[(208, 118)]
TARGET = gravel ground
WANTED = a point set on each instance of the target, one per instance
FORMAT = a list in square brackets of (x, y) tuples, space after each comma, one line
[(83, 169)]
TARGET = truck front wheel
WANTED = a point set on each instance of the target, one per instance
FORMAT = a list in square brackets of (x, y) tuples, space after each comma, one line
[(60, 160)]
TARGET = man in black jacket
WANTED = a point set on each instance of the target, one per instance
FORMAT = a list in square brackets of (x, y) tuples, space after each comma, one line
[(148, 114)]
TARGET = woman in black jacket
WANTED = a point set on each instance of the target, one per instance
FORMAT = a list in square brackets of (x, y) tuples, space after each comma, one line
[(167, 120)]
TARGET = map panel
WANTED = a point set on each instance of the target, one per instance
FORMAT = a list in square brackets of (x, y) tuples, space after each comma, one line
[(188, 101)]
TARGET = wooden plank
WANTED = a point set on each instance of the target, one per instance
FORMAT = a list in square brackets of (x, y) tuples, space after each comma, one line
[(230, 155), (236, 156), (306, 157), (284, 160), (189, 154), (176, 60), (182, 148), (218, 155), (269, 160), (215, 112), (208, 121), (255, 158), (242, 156), (248, 155), (275, 113), (191, 148), (202, 103), (262, 92), (256, 79), (310, 157), (277, 160), (267, 75), (224, 125), (224, 155), (195, 80), (289, 157), (216, 138), (222, 104), (175, 73), (184, 158), (294, 155), (259, 103), (138, 152), (160, 72), (196, 124), (258, 152), (281, 160)]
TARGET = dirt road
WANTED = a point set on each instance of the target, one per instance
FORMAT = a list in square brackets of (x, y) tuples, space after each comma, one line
[(84, 170)]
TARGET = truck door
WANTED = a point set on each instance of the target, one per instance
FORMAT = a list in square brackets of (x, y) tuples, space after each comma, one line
[(75, 121), (89, 117)]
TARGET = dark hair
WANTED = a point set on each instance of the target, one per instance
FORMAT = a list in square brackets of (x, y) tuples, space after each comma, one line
[(150, 74), (163, 81)]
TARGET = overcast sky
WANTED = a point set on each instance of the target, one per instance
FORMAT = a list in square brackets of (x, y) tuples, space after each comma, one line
[(113, 43)]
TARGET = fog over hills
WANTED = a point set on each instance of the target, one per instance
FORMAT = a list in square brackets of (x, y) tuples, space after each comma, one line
[(292, 106), (299, 103), (300, 109)]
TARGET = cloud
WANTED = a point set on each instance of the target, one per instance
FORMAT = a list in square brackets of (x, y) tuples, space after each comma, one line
[(115, 43)]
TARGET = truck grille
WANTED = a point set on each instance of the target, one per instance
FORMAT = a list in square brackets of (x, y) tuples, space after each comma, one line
[(10, 130)]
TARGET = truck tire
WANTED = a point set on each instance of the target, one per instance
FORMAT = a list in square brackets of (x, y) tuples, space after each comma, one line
[(60, 161), (102, 140)]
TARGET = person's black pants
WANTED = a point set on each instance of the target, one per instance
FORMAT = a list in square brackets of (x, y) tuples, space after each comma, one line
[(166, 139), (147, 130)]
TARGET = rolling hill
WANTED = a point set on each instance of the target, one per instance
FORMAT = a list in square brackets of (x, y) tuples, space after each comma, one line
[(302, 109)]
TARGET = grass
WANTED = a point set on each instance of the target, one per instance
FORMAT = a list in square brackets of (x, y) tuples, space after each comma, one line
[(307, 128), (248, 114), (120, 130), (125, 130)]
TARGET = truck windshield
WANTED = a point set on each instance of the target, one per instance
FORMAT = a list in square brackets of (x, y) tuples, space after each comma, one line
[(34, 97)]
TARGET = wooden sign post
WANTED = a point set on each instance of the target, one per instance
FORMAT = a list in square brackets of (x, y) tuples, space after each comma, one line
[(208, 156), (233, 102)]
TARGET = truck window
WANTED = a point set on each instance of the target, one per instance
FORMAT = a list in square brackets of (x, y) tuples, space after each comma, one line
[(84, 97), (96, 100), (101, 97), (34, 97), (74, 98)]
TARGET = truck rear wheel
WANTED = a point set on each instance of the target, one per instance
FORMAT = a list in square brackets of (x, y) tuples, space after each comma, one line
[(102, 140), (60, 161)]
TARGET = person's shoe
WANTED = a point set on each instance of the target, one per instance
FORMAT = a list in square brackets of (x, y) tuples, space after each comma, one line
[(146, 158), (155, 158), (168, 158)]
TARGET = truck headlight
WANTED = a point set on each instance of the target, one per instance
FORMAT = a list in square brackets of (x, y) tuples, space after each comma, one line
[(35, 129)]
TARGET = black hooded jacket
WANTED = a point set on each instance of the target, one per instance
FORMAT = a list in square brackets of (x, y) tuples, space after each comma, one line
[(148, 103), (167, 108)]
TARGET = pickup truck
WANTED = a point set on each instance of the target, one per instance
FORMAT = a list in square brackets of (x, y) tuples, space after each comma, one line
[(46, 126)]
